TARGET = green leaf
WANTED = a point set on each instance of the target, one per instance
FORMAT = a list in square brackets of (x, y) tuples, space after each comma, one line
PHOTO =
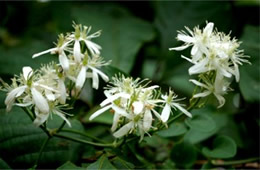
[(122, 34), (223, 147), (201, 122), (175, 129), (3, 164), (183, 154), (69, 165), (195, 135), (20, 141), (101, 163), (21, 55), (122, 164), (250, 80)]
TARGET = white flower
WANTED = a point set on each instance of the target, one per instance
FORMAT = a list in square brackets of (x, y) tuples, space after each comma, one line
[(219, 88), (62, 46), (133, 105), (198, 39), (171, 101), (91, 64)]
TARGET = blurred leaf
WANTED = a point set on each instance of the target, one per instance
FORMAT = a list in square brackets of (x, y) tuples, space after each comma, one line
[(184, 154), (223, 147), (195, 136), (101, 163), (201, 122), (20, 141), (122, 164), (112, 71), (247, 2), (3, 164), (207, 165), (12, 60), (149, 68), (69, 165), (155, 141), (175, 129), (250, 74), (2, 99), (122, 34)]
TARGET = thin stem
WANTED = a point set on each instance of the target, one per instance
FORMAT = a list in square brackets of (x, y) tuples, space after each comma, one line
[(220, 162), (82, 134), (41, 150), (28, 112), (31, 115), (174, 118), (61, 126), (84, 141)]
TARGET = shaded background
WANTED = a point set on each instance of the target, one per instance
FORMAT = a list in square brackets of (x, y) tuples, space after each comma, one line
[(136, 36)]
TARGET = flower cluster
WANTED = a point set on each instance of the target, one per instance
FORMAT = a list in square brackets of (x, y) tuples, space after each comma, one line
[(44, 90), (135, 104), (79, 60), (215, 57)]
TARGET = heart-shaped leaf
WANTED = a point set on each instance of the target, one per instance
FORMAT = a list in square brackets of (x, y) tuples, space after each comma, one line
[(223, 147)]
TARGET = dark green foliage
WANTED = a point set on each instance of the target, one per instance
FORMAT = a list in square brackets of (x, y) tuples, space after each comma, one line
[(136, 36)]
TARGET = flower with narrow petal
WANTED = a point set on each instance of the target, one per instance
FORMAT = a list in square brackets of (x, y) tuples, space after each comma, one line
[(171, 101)]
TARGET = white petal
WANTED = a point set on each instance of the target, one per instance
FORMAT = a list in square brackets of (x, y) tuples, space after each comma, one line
[(9, 100), (64, 62), (104, 77), (23, 104), (156, 114), (62, 89), (182, 109), (185, 38), (199, 83), (62, 116), (124, 130), (40, 102), (138, 107), (147, 120), (45, 87), (50, 96), (208, 29), (77, 51), (186, 58), (236, 72), (112, 98), (194, 50), (93, 47), (199, 67), (120, 111), (99, 112), (27, 72), (203, 94), (221, 100), (151, 88), (166, 113), (40, 119), (44, 52), (115, 121), (95, 80), (180, 48), (81, 78)]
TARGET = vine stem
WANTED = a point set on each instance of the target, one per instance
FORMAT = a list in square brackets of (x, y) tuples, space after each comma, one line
[(84, 141), (220, 162), (31, 115), (82, 134), (41, 150)]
